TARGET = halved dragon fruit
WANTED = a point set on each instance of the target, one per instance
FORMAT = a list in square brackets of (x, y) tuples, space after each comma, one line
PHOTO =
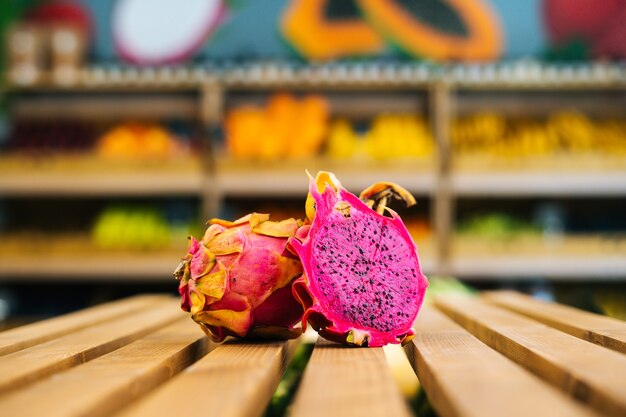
[(237, 281), (362, 281)]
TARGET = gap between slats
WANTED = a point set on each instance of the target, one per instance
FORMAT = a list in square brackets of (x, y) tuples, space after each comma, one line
[(46, 330), (22, 367), (108, 383), (588, 372)]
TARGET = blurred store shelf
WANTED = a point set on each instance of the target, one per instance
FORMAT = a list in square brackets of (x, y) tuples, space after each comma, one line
[(586, 257), (75, 256), (596, 268), (114, 77), (98, 266), (529, 74), (136, 267), (359, 91), (537, 101), (89, 176), (354, 75), (564, 174), (502, 183), (238, 178), (150, 106), (361, 105)]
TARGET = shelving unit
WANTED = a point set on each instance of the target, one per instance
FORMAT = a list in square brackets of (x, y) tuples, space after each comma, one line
[(236, 179), (121, 268), (359, 91), (143, 183), (560, 176), (539, 184), (569, 257), (519, 267)]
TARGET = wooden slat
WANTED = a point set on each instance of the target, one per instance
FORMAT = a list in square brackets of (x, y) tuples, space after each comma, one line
[(588, 372), (564, 267), (235, 379), (108, 383), (105, 183), (343, 381), (602, 330), (45, 330), (95, 266), (552, 183), (19, 368), (354, 105), (464, 377), (101, 107)]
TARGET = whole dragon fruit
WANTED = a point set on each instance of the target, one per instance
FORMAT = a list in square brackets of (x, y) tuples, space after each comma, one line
[(362, 282), (237, 281)]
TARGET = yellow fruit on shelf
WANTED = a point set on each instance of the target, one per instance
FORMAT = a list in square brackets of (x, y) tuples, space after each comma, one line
[(342, 140), (156, 142), (389, 137), (561, 132), (398, 136), (117, 143)]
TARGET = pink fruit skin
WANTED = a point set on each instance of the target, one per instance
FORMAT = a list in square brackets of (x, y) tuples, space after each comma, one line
[(253, 295), (371, 284)]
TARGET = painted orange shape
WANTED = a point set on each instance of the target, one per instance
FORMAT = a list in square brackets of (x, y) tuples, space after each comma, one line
[(418, 38), (304, 25)]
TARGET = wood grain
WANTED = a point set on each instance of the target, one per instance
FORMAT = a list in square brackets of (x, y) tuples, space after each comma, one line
[(104, 183), (344, 381), (590, 373), (106, 384), (105, 107), (464, 377), (442, 105), (20, 368), (45, 330), (595, 328), (235, 379)]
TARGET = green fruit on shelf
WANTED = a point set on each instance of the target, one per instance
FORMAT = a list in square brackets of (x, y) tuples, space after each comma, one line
[(496, 225), (131, 227), (445, 286)]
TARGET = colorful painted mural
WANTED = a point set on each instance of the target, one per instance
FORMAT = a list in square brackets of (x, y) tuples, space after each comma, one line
[(587, 28), (321, 30)]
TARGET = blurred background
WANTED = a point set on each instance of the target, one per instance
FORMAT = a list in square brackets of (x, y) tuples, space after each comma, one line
[(126, 124)]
